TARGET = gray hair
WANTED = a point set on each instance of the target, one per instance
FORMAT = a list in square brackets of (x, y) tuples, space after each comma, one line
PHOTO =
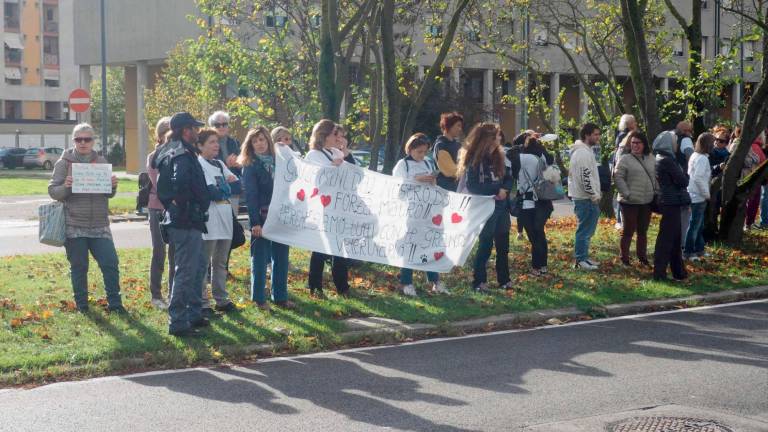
[(218, 114), (626, 118), (279, 130), (83, 127)]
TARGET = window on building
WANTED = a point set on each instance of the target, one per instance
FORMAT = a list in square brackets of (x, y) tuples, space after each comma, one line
[(540, 34), (749, 50), (704, 46), (276, 18), (471, 34), (51, 83), (725, 46), (11, 16), (50, 18), (50, 50), (315, 20), (704, 4), (434, 30), (678, 46), (53, 111), (12, 56), (13, 109)]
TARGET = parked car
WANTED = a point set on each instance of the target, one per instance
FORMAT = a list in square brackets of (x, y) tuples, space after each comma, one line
[(363, 158), (12, 157), (40, 157)]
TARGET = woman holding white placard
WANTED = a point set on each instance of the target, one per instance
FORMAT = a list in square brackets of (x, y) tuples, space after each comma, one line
[(87, 222)]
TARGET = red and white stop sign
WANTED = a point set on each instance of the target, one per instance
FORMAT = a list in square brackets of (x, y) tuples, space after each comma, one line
[(79, 100)]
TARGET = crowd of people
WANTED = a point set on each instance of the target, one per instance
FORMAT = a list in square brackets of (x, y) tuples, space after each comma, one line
[(200, 177)]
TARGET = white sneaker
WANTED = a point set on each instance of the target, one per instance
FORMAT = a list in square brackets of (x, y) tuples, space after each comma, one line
[(585, 265), (409, 290), (439, 288), (593, 262), (160, 304)]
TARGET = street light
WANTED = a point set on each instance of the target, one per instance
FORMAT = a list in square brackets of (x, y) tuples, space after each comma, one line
[(18, 134)]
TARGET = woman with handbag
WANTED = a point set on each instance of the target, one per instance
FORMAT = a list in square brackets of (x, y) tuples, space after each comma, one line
[(482, 162), (219, 227), (87, 222), (673, 196), (257, 156), (534, 159), (635, 178)]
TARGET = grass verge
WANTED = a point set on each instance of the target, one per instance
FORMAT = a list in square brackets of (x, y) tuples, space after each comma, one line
[(13, 186), (42, 338)]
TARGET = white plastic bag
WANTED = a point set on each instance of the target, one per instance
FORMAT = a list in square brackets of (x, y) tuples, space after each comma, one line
[(52, 224)]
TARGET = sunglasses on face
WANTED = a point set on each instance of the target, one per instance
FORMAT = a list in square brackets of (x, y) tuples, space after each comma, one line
[(220, 125), (83, 139)]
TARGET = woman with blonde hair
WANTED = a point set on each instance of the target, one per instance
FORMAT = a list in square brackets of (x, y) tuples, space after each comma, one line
[(482, 162), (257, 156), (156, 210), (325, 143)]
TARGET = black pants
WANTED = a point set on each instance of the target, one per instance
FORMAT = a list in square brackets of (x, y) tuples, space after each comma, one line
[(669, 250), (533, 221), (501, 243), (339, 272)]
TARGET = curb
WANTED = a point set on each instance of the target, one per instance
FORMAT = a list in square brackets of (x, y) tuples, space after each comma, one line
[(548, 316), (396, 332)]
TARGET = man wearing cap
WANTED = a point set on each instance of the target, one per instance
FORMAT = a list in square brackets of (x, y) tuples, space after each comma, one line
[(182, 189)]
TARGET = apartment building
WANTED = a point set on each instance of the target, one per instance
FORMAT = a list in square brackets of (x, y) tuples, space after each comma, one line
[(141, 33), (38, 72)]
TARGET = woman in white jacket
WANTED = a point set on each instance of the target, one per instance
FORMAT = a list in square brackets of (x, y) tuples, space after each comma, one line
[(700, 174)]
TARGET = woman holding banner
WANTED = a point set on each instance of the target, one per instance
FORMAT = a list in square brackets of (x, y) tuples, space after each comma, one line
[(325, 143), (417, 168), (87, 222), (257, 156), (482, 167)]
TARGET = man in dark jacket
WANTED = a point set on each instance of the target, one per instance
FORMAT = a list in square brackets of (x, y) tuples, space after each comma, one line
[(182, 189)]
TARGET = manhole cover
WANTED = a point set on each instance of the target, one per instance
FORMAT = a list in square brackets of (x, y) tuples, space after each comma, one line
[(667, 424)]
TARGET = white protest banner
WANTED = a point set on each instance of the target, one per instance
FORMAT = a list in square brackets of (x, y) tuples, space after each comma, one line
[(357, 213), (91, 178)]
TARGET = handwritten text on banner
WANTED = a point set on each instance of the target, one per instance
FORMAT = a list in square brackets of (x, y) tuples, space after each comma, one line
[(356, 213), (91, 178)]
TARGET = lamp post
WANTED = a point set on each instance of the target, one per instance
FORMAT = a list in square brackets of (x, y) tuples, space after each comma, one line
[(104, 131), (18, 135)]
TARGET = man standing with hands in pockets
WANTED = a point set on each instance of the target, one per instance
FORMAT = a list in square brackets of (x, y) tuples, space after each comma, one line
[(584, 189)]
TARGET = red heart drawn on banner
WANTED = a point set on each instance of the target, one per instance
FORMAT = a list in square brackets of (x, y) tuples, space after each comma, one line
[(326, 200), (300, 195), (456, 218), (438, 255), (315, 191), (437, 219)]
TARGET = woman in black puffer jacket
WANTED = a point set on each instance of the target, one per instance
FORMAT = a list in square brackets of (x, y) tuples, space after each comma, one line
[(673, 184)]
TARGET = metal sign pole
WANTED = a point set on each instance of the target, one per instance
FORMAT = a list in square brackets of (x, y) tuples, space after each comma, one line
[(104, 130)]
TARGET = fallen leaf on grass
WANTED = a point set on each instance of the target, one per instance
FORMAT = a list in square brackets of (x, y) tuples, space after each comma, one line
[(558, 285), (46, 314), (554, 321), (16, 323)]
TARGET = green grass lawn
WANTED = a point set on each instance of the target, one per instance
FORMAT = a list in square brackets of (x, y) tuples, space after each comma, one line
[(43, 339), (39, 186)]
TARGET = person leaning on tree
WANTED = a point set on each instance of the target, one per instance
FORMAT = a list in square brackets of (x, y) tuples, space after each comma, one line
[(182, 189)]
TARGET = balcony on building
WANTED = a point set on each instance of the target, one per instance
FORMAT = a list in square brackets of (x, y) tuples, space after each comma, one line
[(51, 19), (51, 52)]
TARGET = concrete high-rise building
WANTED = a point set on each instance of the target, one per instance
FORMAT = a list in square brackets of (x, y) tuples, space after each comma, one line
[(37, 72), (141, 33)]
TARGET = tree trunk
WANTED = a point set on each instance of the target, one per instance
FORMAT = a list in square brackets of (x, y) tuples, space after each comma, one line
[(326, 71), (640, 66), (394, 117)]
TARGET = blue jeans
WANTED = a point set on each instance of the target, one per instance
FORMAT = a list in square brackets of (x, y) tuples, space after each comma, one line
[(588, 214), (406, 276), (694, 238), (185, 303), (262, 252), (764, 207), (103, 251)]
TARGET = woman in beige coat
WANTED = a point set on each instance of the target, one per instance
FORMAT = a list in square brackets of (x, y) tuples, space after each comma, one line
[(635, 178)]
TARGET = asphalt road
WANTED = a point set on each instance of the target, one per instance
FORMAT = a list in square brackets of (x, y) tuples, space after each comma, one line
[(711, 359)]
